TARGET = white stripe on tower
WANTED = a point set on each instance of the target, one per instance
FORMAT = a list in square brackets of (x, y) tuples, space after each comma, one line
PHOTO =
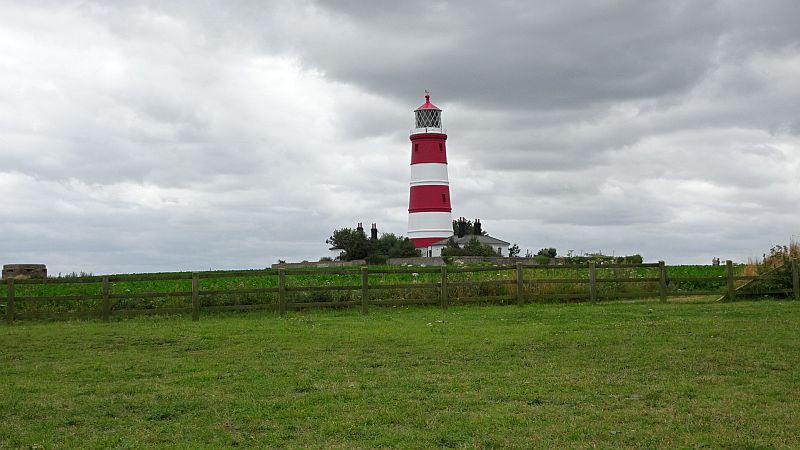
[(428, 224), (429, 173)]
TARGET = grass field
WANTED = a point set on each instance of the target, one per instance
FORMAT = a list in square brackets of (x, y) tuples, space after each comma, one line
[(622, 374), (536, 293)]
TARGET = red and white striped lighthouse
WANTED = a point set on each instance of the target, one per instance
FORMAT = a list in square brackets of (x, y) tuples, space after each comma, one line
[(429, 212)]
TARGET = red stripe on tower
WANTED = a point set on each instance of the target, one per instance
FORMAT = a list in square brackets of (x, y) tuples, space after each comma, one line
[(429, 197), (428, 148), (429, 210)]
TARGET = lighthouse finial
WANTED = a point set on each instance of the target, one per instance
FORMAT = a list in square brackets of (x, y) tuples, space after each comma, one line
[(427, 95)]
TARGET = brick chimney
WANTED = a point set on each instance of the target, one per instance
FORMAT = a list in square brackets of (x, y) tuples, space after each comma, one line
[(462, 227)]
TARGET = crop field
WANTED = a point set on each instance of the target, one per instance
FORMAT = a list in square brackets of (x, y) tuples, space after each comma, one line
[(544, 285), (580, 375)]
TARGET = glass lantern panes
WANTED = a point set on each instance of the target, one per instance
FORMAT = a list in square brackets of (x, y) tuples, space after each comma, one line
[(428, 118)]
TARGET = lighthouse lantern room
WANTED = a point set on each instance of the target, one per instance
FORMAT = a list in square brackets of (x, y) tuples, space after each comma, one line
[(429, 211)]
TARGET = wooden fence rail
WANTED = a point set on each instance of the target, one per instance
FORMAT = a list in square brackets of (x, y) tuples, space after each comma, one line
[(447, 287)]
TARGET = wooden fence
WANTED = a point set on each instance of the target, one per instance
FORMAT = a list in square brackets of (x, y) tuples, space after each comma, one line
[(444, 283)]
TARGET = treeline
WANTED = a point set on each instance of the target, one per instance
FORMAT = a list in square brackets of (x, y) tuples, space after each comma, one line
[(355, 244), (604, 259), (546, 255)]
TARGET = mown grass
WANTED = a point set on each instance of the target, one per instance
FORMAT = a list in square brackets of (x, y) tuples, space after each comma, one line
[(635, 374)]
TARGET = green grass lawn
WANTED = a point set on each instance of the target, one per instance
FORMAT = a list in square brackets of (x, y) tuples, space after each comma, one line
[(636, 374)]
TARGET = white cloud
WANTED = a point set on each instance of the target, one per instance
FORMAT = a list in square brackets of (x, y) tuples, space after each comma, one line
[(147, 137)]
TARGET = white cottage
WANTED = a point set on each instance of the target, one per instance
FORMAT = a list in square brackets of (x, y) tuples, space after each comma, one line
[(498, 245)]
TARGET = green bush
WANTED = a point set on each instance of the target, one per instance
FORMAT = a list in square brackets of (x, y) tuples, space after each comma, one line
[(471, 248)]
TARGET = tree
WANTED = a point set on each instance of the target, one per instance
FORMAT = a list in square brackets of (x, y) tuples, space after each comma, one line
[(549, 252), (356, 246), (354, 243), (468, 230), (393, 246), (513, 251)]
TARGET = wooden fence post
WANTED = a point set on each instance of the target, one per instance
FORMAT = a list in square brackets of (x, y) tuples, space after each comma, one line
[(444, 287), (795, 280), (662, 282), (592, 282), (520, 294), (364, 289), (729, 276), (281, 291), (195, 296), (10, 301), (105, 306)]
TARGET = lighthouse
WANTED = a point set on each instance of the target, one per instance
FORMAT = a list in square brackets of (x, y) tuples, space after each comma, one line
[(429, 212)]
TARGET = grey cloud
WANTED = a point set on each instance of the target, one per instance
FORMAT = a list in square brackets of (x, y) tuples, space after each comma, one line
[(143, 136), (507, 57)]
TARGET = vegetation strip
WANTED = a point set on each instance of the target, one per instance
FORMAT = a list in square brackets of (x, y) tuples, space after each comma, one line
[(239, 307), (238, 291), (414, 301), (145, 312), (58, 298), (486, 298), (627, 280), (406, 270), (405, 286), (480, 283), (556, 280), (151, 294), (322, 288), (639, 295), (321, 304), (482, 269), (341, 288)]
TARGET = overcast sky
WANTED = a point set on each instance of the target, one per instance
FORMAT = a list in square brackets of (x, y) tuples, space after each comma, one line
[(156, 136)]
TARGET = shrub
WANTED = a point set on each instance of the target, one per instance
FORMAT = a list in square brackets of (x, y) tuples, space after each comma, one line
[(471, 248), (549, 252)]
